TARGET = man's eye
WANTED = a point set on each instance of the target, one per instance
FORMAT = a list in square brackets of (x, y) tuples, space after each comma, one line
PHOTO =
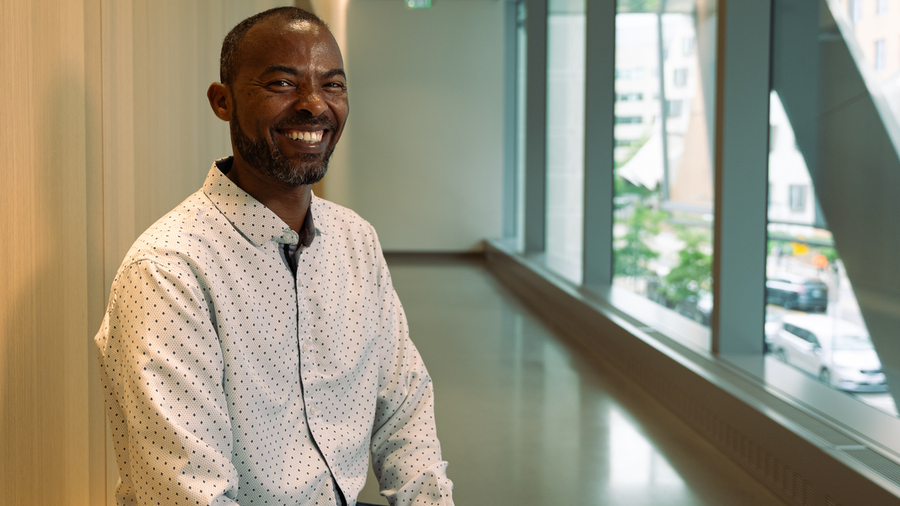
[(281, 83), (335, 85)]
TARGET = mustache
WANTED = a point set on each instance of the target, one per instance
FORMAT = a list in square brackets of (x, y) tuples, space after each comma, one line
[(323, 122)]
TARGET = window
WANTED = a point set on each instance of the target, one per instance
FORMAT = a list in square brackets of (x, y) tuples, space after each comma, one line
[(854, 9), (628, 120), (629, 97), (662, 231), (797, 199), (673, 108), (680, 77), (663, 199), (630, 73), (807, 244), (879, 55), (805, 273), (565, 137), (687, 46)]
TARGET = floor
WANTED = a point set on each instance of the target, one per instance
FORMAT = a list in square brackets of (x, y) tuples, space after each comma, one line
[(524, 420)]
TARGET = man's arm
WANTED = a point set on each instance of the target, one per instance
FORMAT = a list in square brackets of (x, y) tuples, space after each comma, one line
[(406, 453), (162, 369)]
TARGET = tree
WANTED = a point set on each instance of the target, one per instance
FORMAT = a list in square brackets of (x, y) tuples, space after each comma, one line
[(632, 256), (637, 6), (693, 274)]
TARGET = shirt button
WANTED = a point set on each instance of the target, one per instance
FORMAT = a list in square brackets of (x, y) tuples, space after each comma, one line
[(304, 347), (313, 410)]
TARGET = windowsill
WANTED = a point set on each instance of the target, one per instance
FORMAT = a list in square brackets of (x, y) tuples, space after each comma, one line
[(653, 316), (769, 407)]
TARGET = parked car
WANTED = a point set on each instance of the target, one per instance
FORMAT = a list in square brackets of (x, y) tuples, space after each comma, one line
[(772, 327), (797, 292), (837, 352)]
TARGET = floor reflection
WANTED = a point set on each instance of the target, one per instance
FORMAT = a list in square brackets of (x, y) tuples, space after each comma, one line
[(634, 462)]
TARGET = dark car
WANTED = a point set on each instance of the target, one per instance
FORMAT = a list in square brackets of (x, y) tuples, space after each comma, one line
[(797, 292)]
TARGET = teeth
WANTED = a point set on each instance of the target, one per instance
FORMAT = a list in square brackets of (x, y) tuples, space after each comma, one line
[(310, 137)]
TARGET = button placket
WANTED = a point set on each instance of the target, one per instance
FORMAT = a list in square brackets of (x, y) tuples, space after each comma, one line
[(308, 366)]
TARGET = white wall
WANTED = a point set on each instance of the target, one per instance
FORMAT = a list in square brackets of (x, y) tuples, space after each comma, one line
[(422, 157)]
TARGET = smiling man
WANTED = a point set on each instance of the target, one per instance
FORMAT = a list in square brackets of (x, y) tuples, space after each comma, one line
[(254, 350)]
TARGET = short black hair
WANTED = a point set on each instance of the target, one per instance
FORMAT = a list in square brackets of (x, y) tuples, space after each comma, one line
[(232, 42)]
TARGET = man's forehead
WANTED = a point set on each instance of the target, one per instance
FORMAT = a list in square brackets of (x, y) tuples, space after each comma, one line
[(272, 39), (277, 29)]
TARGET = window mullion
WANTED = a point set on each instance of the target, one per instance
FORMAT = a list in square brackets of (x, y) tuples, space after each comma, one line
[(600, 64), (741, 177), (536, 129)]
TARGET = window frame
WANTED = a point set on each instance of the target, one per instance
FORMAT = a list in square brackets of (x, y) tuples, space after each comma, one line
[(879, 59), (797, 194)]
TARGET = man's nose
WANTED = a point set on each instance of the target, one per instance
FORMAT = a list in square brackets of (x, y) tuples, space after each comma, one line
[(311, 99)]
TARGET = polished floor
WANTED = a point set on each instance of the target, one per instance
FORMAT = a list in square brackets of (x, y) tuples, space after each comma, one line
[(524, 420)]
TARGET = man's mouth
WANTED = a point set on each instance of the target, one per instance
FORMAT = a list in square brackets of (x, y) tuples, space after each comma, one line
[(304, 136)]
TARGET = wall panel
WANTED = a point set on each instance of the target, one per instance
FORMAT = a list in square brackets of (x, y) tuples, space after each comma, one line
[(105, 127), (96, 300), (44, 395)]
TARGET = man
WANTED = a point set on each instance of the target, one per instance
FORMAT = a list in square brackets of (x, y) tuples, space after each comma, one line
[(254, 350)]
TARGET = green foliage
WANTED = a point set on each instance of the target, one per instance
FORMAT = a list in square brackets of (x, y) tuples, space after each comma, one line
[(632, 256), (626, 187), (785, 246), (637, 6), (693, 274), (830, 253)]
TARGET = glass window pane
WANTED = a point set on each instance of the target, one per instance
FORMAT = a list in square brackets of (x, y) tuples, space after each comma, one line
[(565, 136), (665, 74), (814, 320)]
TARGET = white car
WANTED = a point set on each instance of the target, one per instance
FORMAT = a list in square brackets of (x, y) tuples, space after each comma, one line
[(837, 352)]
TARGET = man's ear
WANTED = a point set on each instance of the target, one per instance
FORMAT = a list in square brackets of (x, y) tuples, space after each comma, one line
[(220, 100)]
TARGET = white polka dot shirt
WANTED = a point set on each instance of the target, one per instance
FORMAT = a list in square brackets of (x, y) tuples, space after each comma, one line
[(229, 380)]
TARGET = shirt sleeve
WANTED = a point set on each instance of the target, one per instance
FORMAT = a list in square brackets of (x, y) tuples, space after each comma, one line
[(162, 371), (406, 454)]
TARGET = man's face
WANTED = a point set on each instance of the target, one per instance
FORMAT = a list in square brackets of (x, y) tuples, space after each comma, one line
[(290, 100)]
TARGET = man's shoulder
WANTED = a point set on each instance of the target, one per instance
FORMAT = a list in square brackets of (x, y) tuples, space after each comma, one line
[(177, 233), (333, 216), (338, 226)]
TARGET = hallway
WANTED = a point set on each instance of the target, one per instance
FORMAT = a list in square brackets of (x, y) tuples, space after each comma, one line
[(525, 420)]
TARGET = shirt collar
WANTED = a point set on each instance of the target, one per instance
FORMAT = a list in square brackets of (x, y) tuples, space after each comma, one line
[(254, 220)]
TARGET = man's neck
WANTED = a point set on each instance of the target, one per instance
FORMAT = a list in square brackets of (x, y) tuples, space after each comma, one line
[(290, 203)]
